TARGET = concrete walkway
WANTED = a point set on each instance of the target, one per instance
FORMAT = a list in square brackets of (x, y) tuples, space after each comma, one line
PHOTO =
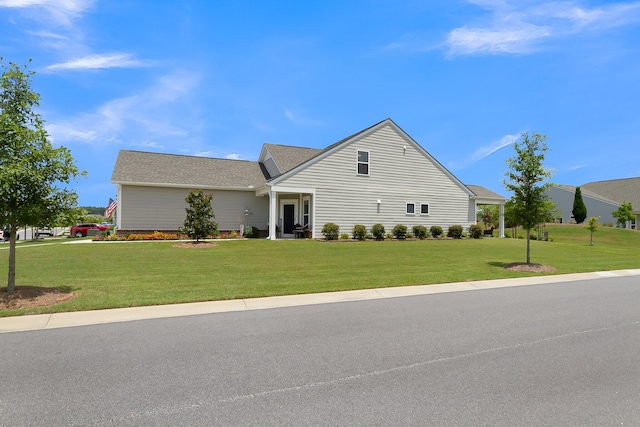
[(82, 318)]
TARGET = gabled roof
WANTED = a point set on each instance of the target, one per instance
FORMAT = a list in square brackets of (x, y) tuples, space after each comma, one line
[(363, 133), (144, 168), (618, 190), (485, 193), (585, 192), (288, 157)]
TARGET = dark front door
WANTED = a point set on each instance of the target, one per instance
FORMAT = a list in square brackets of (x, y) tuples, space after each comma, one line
[(289, 212)]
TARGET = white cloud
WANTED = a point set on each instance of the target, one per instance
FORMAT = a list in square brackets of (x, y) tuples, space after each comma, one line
[(158, 112), (61, 12), (100, 61), (485, 151), (232, 156), (294, 118), (522, 26)]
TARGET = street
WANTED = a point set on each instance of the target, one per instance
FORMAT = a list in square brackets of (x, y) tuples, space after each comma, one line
[(552, 354)]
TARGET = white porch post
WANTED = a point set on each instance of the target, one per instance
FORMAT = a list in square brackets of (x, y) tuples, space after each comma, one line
[(501, 226), (273, 214)]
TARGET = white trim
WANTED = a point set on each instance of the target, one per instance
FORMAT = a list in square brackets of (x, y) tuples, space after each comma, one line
[(406, 208), (283, 202), (190, 186), (358, 162), (302, 214), (428, 209)]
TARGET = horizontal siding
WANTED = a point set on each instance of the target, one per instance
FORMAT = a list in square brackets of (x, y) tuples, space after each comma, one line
[(563, 199), (155, 208), (396, 176)]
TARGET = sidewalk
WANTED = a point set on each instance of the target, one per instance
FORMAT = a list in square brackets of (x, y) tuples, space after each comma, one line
[(83, 318)]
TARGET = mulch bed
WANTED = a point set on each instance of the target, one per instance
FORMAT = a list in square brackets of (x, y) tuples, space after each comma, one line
[(33, 296), (530, 268)]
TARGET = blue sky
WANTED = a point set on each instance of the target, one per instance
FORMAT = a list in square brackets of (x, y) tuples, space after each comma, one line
[(220, 78)]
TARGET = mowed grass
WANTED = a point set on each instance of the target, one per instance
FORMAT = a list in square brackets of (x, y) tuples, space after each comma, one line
[(107, 275)]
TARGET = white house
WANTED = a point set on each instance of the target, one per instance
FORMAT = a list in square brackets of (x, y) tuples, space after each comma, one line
[(378, 175)]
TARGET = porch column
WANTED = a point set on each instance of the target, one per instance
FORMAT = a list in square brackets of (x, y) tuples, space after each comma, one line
[(273, 214), (501, 225)]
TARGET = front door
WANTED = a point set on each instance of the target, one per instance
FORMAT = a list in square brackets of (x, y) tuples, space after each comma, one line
[(288, 215)]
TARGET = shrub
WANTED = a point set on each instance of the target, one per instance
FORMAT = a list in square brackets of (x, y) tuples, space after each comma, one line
[(436, 231), (420, 231), (251, 232), (409, 235), (455, 231), (344, 236), (475, 231), (331, 231), (389, 235), (400, 232), (359, 232), (378, 231)]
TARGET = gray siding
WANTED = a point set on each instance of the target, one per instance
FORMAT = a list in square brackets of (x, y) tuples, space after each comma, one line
[(563, 199), (271, 167), (396, 176), (157, 209)]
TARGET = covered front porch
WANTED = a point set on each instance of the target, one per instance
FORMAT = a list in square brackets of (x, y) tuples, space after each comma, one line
[(291, 211)]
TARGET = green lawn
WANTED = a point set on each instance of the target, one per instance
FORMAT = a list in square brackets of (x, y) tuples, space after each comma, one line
[(107, 275)]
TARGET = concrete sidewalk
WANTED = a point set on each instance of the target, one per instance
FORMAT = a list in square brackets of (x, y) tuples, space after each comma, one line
[(82, 318)]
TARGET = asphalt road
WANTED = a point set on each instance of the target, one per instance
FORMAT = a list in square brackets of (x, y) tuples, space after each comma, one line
[(558, 354)]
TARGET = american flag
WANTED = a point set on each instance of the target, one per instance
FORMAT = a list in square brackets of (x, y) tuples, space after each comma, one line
[(110, 208)]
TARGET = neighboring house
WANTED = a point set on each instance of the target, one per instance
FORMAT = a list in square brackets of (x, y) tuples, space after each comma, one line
[(378, 175), (600, 197)]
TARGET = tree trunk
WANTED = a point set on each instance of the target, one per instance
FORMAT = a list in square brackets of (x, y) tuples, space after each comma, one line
[(528, 246), (11, 281)]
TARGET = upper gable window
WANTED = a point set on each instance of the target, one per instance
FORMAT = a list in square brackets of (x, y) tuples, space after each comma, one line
[(363, 162)]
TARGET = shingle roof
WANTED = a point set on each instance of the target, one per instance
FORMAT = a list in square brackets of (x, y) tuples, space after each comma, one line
[(618, 190), (288, 157), (484, 192), (586, 192), (156, 168)]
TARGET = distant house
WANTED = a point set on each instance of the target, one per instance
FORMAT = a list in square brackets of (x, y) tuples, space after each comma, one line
[(378, 175), (600, 197)]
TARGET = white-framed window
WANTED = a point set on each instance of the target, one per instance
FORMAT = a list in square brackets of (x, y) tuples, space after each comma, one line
[(411, 208), (363, 162), (424, 208), (306, 212)]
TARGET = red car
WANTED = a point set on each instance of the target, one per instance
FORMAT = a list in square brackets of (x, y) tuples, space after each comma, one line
[(81, 230)]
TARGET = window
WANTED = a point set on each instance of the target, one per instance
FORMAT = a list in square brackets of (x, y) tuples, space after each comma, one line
[(363, 162), (305, 213), (424, 209), (411, 208)]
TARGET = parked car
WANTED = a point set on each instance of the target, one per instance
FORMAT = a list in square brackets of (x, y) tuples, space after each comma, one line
[(81, 230), (45, 231)]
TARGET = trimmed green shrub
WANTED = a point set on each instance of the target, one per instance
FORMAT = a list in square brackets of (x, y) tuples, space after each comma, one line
[(436, 231), (344, 236), (331, 231), (420, 231), (400, 232), (378, 231), (251, 232), (359, 232), (455, 231), (475, 231)]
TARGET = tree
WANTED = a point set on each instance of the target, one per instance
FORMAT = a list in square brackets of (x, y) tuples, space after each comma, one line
[(489, 215), (579, 208), (592, 226), (526, 179), (198, 224), (31, 169), (623, 214)]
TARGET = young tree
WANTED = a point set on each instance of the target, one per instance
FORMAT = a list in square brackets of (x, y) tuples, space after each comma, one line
[(526, 179), (592, 226), (198, 224), (623, 213), (489, 215), (579, 208), (31, 170)]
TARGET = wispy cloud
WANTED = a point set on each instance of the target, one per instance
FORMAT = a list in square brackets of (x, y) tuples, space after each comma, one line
[(61, 12), (232, 156), (101, 61), (485, 151), (522, 27), (295, 118), (152, 114)]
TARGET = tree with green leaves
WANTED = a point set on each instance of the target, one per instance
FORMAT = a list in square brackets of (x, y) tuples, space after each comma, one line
[(623, 214), (527, 180), (579, 208), (198, 224), (33, 173), (592, 226), (489, 215)]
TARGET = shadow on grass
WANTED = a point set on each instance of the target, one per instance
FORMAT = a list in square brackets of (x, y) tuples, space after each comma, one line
[(496, 264)]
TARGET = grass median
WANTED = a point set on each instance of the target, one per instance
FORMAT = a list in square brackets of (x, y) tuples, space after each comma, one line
[(108, 275)]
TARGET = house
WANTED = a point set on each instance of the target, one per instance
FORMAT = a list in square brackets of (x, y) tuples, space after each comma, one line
[(600, 197), (378, 175)]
